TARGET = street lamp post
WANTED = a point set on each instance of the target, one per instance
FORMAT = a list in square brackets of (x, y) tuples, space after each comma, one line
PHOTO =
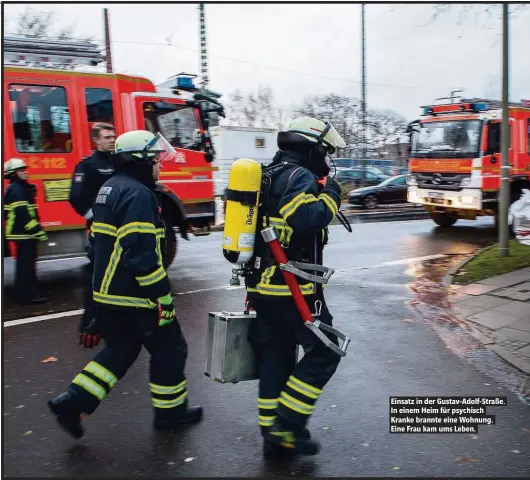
[(504, 200)]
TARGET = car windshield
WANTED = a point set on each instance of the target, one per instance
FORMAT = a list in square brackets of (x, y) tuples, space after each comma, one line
[(393, 180), (438, 139), (178, 126)]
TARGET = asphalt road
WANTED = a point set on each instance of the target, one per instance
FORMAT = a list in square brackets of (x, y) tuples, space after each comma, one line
[(385, 294)]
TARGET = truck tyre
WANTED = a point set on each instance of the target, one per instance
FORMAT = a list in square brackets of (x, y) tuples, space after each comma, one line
[(171, 244), (444, 219)]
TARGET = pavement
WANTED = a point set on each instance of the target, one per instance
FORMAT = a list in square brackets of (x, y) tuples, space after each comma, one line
[(497, 310), (382, 271)]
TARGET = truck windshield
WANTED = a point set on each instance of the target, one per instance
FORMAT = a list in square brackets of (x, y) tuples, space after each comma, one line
[(455, 138), (177, 126)]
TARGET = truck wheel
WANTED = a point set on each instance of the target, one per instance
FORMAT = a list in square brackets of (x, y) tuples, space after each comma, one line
[(171, 245), (444, 219), (370, 202)]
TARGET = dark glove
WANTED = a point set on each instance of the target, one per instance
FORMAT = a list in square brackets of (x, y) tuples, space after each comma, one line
[(91, 335), (331, 184), (166, 310)]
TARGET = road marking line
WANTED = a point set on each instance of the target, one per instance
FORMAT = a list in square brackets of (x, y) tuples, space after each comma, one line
[(41, 318), (71, 313)]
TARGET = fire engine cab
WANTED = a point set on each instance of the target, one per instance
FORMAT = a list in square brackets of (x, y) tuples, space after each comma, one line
[(48, 114), (455, 160)]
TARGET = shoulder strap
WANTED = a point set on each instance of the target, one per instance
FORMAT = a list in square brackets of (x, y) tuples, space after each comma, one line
[(269, 173)]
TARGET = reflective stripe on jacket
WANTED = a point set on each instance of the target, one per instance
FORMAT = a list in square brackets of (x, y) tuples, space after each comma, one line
[(301, 210), (127, 238)]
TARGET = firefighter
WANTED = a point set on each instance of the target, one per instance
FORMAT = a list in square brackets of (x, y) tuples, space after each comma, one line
[(23, 227), (89, 175), (300, 200), (132, 293)]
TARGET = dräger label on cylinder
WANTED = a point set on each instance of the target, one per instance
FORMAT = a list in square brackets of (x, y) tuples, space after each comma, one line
[(250, 216)]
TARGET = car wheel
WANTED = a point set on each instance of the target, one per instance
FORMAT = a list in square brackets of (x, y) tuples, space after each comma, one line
[(370, 202)]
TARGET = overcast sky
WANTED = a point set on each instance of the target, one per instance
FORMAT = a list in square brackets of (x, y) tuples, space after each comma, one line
[(408, 64)]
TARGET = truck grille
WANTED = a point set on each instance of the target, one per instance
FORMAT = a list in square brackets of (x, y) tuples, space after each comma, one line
[(440, 181)]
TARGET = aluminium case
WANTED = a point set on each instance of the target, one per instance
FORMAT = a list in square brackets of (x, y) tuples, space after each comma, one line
[(229, 355)]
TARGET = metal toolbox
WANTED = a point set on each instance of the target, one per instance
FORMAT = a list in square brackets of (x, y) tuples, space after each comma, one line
[(229, 355)]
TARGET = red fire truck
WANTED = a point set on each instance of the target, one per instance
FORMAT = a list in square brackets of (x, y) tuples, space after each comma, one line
[(47, 118), (455, 160)]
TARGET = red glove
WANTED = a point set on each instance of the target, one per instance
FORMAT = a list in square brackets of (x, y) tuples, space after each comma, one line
[(91, 336)]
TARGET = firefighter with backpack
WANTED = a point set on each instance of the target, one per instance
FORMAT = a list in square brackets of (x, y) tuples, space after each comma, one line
[(298, 198)]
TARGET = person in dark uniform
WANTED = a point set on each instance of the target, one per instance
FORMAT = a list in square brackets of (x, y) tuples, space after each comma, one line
[(23, 227), (297, 203), (132, 293), (89, 175)]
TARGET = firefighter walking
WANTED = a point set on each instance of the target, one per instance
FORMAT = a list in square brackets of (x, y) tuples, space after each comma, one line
[(23, 227), (301, 209), (132, 293), (89, 175)]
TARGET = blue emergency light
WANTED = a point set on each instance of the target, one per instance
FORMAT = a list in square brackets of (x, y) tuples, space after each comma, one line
[(479, 106), (185, 82), (427, 110)]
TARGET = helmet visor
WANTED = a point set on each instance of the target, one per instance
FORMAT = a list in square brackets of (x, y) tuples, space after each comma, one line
[(333, 139), (162, 147)]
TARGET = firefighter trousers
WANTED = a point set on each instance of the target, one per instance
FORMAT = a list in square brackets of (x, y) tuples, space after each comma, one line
[(125, 333), (289, 390), (25, 271)]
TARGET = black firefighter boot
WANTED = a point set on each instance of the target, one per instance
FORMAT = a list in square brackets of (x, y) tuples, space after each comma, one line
[(65, 408), (287, 437), (168, 419), (272, 449)]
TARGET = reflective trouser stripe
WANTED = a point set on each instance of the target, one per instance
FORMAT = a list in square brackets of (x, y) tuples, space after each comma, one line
[(91, 386), (102, 373), (266, 421), (265, 405), (304, 388), (268, 403), (167, 390), (296, 405), (175, 402)]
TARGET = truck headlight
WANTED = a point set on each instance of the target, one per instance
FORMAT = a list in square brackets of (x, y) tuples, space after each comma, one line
[(411, 180), (466, 181)]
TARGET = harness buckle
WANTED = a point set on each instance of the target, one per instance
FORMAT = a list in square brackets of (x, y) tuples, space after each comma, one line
[(297, 268)]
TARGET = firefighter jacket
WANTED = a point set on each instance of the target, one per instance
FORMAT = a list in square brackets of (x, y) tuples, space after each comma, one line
[(127, 240), (20, 211), (301, 210), (89, 175)]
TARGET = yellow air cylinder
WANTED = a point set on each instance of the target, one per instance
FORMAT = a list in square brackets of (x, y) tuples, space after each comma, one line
[(244, 185)]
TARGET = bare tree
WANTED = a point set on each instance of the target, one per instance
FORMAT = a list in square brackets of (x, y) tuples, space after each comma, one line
[(341, 111), (42, 24), (385, 128), (255, 109)]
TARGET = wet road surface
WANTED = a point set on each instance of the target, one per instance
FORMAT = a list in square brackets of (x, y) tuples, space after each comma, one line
[(385, 294)]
